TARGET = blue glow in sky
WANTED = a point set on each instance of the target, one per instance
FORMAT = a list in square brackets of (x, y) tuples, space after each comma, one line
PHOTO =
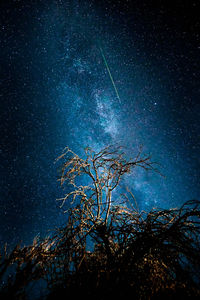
[(56, 91)]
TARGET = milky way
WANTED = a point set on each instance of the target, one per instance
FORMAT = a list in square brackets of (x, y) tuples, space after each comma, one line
[(58, 92)]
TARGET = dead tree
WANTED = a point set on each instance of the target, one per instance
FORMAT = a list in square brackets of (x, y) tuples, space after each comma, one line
[(102, 173), (151, 255)]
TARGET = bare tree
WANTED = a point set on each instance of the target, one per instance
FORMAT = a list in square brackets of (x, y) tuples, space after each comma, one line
[(102, 172), (151, 255)]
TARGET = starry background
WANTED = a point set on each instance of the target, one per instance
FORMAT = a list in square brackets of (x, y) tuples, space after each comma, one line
[(56, 91)]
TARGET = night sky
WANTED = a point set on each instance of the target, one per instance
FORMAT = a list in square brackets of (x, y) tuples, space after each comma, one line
[(56, 92)]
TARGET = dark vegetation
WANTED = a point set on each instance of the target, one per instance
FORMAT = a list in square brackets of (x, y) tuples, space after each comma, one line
[(108, 248)]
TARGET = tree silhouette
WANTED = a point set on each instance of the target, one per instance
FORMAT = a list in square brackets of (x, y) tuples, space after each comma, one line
[(107, 248), (102, 173)]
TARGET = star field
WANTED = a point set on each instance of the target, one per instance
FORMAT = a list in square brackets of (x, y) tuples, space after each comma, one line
[(56, 91)]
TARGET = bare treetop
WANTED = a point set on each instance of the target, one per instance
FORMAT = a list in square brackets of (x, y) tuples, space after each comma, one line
[(102, 171)]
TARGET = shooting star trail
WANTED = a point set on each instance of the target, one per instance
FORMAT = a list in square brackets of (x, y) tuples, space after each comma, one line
[(108, 69)]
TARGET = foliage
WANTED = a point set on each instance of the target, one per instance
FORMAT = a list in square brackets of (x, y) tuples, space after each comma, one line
[(108, 249)]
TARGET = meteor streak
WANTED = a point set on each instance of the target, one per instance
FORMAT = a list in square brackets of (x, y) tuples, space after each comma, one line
[(111, 78)]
